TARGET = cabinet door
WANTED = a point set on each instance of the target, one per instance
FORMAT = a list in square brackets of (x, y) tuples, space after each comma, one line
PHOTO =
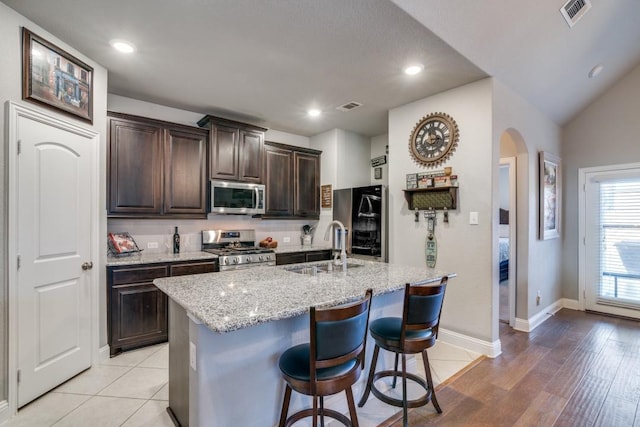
[(250, 156), (306, 182), (137, 310), (135, 168), (185, 172), (278, 185), (139, 315), (223, 163)]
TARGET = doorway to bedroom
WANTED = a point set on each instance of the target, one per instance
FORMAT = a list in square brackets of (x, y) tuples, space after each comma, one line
[(506, 240)]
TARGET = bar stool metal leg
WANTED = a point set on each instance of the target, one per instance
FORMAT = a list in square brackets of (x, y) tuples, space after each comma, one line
[(372, 371)]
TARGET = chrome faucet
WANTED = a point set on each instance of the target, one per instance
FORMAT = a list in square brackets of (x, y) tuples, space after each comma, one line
[(343, 238)]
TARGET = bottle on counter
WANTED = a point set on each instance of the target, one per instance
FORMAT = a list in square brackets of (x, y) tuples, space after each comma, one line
[(176, 242)]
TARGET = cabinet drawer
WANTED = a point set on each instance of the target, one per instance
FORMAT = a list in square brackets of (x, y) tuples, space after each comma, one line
[(291, 258), (138, 275), (194, 268), (318, 256)]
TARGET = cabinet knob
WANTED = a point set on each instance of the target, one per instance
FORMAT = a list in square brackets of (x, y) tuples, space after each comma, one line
[(87, 265)]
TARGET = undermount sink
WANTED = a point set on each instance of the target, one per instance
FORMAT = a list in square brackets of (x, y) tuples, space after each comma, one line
[(313, 270)]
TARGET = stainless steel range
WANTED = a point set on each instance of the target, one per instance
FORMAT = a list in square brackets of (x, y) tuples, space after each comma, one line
[(236, 249)]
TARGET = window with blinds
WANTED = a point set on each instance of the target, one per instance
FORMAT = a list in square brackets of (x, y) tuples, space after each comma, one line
[(620, 243)]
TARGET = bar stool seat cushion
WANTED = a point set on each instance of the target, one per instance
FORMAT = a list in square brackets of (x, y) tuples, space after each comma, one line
[(390, 328), (295, 363)]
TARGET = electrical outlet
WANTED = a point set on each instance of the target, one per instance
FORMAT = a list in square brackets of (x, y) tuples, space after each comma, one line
[(192, 355), (538, 298), (152, 245), (286, 239)]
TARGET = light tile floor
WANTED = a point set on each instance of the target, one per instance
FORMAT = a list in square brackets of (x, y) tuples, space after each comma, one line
[(131, 390)]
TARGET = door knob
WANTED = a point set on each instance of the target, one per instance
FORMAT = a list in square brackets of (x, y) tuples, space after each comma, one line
[(87, 266)]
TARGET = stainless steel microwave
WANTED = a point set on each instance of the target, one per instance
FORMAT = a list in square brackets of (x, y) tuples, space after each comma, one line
[(240, 198)]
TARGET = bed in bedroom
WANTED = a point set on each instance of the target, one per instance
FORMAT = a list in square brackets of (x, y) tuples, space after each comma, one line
[(504, 245)]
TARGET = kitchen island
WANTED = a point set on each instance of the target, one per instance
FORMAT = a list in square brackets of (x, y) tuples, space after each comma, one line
[(227, 331)]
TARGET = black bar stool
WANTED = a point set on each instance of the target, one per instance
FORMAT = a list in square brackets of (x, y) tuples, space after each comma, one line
[(330, 363), (415, 332)]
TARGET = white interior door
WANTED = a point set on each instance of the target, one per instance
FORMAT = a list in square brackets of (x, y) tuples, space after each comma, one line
[(54, 219), (611, 257)]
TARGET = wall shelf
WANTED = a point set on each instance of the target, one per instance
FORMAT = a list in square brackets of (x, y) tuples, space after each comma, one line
[(434, 197)]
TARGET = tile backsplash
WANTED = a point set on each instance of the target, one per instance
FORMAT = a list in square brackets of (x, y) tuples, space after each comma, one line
[(155, 235)]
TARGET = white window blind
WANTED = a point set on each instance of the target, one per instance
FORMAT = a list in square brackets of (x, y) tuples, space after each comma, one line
[(620, 243)]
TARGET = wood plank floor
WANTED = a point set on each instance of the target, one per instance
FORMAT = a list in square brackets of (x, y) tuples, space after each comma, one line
[(576, 369)]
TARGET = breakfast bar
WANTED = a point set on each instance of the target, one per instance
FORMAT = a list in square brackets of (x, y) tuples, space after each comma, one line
[(228, 329)]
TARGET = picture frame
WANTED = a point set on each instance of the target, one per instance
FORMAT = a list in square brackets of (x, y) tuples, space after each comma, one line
[(325, 196), (550, 196), (54, 78)]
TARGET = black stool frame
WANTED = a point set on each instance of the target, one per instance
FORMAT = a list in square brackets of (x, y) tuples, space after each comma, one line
[(337, 321), (412, 321)]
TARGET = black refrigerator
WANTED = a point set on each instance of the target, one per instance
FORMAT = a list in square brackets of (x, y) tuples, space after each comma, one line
[(363, 211)]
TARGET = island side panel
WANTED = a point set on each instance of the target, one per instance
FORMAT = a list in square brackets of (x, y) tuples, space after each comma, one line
[(237, 381), (178, 363)]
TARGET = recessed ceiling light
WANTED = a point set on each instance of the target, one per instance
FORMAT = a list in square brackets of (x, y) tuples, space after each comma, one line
[(412, 70), (122, 46), (595, 71), (314, 112)]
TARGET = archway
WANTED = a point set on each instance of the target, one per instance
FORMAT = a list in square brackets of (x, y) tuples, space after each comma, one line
[(512, 232)]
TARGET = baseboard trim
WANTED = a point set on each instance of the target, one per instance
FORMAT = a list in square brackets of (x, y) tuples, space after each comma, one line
[(5, 414), (528, 325), (104, 353), (489, 349), (571, 304)]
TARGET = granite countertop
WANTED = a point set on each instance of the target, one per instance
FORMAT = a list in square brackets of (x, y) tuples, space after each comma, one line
[(231, 300), (152, 258)]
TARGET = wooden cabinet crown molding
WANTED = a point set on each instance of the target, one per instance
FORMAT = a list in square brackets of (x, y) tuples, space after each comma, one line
[(235, 149), (292, 181), (155, 169)]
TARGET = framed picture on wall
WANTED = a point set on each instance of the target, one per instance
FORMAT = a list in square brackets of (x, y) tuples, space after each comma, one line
[(54, 78), (550, 196)]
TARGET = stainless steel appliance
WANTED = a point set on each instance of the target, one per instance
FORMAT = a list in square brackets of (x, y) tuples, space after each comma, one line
[(228, 197), (363, 211), (236, 249)]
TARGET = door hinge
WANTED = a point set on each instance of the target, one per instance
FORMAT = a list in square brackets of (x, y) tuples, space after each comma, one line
[(18, 262), (19, 375), (19, 146)]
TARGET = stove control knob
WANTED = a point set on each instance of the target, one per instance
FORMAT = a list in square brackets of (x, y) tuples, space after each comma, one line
[(260, 258), (235, 260), (226, 260), (248, 259)]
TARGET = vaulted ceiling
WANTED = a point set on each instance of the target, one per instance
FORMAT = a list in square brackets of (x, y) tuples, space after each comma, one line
[(268, 61)]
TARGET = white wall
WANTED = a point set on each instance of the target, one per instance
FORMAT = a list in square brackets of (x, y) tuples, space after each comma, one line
[(11, 90), (379, 145), (353, 159), (605, 133), (538, 262), (462, 248)]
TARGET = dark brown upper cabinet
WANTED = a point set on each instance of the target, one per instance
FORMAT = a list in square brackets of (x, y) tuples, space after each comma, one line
[(235, 149), (156, 169), (292, 181)]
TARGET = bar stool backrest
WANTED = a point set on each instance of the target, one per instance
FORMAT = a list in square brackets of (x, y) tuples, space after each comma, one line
[(422, 308), (339, 334)]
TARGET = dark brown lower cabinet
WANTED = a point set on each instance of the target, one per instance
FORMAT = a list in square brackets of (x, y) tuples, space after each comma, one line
[(298, 257), (137, 309)]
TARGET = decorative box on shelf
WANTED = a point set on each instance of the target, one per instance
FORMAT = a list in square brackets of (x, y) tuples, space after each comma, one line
[(434, 198)]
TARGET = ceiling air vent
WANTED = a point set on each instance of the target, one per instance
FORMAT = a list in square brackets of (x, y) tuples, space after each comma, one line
[(573, 10), (349, 106)]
